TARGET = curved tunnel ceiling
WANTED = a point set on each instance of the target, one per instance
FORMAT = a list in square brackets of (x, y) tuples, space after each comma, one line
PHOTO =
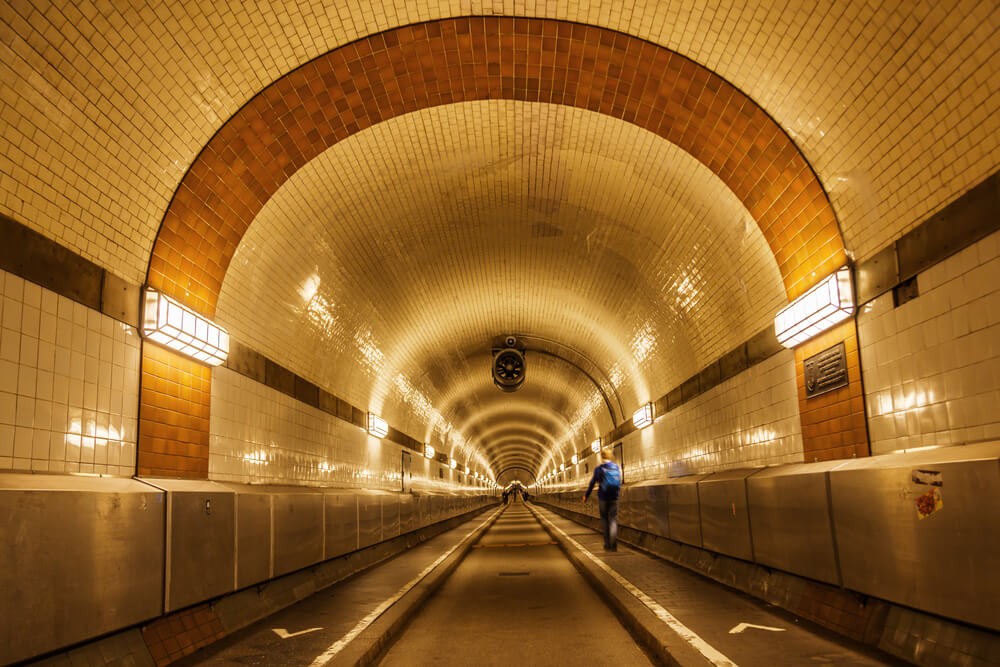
[(553, 222), (386, 267), (854, 87)]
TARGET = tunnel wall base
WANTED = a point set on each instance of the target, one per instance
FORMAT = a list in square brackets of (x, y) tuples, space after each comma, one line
[(920, 638), (166, 556)]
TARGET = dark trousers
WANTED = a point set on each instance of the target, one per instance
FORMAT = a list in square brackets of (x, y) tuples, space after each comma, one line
[(609, 522)]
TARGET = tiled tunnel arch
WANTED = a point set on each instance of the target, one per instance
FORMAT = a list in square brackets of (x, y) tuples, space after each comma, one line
[(443, 62)]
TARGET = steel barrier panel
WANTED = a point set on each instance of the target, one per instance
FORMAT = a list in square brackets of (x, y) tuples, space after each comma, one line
[(341, 523), (298, 529), (683, 511), (725, 517), (369, 519), (920, 529), (790, 520), (253, 536), (79, 557)]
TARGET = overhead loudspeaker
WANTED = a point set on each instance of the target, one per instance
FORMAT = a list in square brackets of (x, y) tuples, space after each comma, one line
[(508, 369)]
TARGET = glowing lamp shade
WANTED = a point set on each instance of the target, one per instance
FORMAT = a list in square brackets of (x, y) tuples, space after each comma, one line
[(377, 426), (172, 325), (595, 446), (823, 306), (429, 451), (575, 459), (643, 417)]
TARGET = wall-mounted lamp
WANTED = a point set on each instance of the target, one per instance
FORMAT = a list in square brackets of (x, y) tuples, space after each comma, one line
[(452, 463), (429, 451), (643, 417), (823, 306), (466, 470), (595, 446), (167, 322), (575, 459), (377, 426)]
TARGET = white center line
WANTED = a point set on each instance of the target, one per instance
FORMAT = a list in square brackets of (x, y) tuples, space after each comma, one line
[(713, 655), (338, 646)]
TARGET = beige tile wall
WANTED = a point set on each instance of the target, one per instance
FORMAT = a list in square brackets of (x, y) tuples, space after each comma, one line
[(932, 365), (749, 420), (261, 436), (69, 379)]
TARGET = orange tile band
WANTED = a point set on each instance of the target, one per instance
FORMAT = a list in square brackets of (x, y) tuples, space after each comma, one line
[(479, 58), (170, 638), (833, 424)]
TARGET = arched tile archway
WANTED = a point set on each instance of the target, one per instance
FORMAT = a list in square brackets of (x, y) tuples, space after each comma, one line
[(477, 58), (443, 62)]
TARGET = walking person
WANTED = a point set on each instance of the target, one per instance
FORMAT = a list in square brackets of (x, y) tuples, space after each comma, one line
[(608, 477)]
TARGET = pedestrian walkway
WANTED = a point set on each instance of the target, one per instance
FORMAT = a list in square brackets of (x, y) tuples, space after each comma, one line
[(515, 600), (349, 622), (696, 620)]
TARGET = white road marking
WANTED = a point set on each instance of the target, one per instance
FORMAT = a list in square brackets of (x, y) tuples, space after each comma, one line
[(711, 653), (338, 646), (285, 634), (736, 629)]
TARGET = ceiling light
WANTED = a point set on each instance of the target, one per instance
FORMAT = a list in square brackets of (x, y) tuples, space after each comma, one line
[(595, 446), (643, 417), (377, 426), (575, 459), (167, 322), (452, 463), (429, 451), (817, 310)]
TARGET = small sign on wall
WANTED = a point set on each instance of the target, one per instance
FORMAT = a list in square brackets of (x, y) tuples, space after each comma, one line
[(826, 370)]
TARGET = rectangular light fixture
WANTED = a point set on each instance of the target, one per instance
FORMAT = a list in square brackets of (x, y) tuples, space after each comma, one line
[(575, 459), (429, 451), (167, 322), (377, 426), (643, 417), (452, 463), (595, 446), (826, 304)]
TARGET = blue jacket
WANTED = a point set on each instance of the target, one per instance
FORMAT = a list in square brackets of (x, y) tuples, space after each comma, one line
[(611, 494)]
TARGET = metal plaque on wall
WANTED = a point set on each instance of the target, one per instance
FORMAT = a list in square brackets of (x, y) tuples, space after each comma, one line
[(826, 370)]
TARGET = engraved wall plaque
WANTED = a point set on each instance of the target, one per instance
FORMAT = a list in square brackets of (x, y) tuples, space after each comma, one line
[(826, 371)]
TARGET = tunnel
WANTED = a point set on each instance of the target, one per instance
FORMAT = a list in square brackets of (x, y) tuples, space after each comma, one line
[(321, 321)]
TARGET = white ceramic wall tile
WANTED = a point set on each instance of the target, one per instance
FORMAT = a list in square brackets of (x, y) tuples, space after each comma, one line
[(932, 366), (747, 421), (69, 384), (260, 435)]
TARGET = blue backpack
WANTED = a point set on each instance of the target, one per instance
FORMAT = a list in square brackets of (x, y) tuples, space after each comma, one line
[(611, 478)]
